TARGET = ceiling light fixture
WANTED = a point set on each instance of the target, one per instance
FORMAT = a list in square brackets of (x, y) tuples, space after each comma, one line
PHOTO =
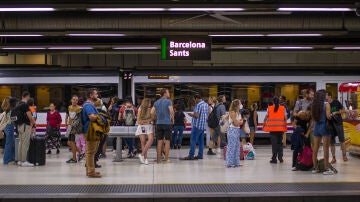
[(23, 48), (235, 35), (25, 9), (20, 35), (70, 48), (136, 48), (206, 9), (292, 47), (99, 34), (346, 48), (126, 9), (316, 9), (293, 35)]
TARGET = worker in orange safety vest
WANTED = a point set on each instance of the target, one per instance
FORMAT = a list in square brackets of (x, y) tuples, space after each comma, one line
[(275, 123)]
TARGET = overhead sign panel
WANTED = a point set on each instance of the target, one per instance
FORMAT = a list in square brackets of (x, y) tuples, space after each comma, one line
[(186, 48)]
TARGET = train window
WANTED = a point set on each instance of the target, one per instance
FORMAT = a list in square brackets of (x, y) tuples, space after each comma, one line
[(58, 94), (262, 93), (333, 88)]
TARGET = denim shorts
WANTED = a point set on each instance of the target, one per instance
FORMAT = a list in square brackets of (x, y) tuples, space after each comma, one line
[(320, 130), (252, 128)]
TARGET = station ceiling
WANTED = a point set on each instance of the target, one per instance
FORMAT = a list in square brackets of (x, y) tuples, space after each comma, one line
[(106, 25)]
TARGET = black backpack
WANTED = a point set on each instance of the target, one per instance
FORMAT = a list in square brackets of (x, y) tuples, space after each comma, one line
[(17, 116), (213, 120)]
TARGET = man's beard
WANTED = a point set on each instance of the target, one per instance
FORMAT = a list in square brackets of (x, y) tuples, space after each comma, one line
[(94, 99)]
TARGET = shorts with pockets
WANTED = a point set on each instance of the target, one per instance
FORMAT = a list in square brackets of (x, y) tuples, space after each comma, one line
[(163, 131)]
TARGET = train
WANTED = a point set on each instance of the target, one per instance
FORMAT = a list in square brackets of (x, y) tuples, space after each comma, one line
[(57, 86)]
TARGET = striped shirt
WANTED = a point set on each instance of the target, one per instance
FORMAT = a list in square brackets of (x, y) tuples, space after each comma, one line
[(202, 109)]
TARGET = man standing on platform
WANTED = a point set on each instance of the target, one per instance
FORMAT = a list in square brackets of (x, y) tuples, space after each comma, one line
[(89, 115), (198, 127), (164, 113)]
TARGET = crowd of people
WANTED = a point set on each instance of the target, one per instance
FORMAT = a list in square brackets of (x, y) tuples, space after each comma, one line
[(316, 117)]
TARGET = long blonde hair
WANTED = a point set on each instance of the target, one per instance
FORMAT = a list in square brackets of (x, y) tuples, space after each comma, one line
[(213, 100), (235, 106), (5, 105), (144, 108)]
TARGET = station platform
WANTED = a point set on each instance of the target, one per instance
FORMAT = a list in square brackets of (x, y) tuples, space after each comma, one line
[(198, 180)]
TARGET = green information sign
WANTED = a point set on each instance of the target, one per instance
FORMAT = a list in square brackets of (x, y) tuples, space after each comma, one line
[(185, 48)]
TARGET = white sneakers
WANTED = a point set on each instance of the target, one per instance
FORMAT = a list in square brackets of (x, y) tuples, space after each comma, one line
[(328, 172), (25, 164), (293, 169), (143, 160)]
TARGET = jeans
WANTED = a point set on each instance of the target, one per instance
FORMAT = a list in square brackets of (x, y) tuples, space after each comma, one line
[(277, 145), (9, 152), (91, 148), (197, 136), (178, 135), (100, 148), (130, 142), (295, 156)]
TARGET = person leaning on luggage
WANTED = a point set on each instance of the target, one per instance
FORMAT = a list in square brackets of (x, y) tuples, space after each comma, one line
[(275, 123)]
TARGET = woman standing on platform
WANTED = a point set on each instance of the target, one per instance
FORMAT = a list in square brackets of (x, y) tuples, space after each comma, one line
[(212, 103), (179, 126), (9, 153), (145, 129), (53, 129), (233, 136), (275, 123), (320, 112), (253, 122)]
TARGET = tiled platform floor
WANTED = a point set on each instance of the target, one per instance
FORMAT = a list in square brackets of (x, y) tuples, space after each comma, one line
[(210, 170)]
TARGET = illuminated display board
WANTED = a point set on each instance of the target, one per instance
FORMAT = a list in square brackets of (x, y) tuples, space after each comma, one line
[(185, 48)]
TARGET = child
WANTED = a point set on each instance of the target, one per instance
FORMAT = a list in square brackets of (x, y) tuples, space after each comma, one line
[(297, 143), (81, 145)]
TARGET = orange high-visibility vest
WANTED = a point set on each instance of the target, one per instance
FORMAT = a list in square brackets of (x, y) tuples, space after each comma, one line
[(276, 121)]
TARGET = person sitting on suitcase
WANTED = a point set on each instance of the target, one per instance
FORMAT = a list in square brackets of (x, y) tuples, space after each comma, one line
[(53, 129)]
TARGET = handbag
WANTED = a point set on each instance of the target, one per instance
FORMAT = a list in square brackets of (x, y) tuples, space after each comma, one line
[(68, 131)]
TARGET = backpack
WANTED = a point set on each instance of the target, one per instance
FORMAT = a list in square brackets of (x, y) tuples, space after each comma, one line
[(77, 126), (321, 166), (17, 116), (224, 123), (129, 116), (212, 120), (304, 160)]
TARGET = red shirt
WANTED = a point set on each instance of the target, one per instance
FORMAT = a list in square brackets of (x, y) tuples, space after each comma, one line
[(54, 119), (122, 110)]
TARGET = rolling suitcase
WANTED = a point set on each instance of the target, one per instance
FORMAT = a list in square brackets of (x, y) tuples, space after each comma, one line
[(36, 154)]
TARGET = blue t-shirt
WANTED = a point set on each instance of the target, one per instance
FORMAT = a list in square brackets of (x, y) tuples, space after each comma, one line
[(88, 109), (162, 111)]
